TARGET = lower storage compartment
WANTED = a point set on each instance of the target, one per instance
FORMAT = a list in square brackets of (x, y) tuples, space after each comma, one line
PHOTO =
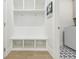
[(40, 43), (29, 44), (17, 44)]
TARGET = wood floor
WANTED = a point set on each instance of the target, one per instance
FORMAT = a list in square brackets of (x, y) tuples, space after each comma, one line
[(29, 55)]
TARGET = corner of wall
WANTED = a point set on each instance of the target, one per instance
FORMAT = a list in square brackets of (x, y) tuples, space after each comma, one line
[(7, 52), (53, 54)]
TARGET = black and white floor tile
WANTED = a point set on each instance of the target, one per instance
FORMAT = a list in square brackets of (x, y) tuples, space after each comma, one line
[(67, 53)]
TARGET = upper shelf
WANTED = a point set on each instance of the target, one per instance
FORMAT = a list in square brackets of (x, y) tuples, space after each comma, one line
[(29, 4)]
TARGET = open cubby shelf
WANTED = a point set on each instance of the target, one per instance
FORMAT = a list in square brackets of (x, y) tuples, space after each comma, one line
[(28, 4), (17, 43), (28, 43)]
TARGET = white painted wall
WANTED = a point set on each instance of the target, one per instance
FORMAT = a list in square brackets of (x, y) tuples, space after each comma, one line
[(53, 32), (29, 18), (4, 28), (8, 25), (29, 33), (65, 16), (74, 8)]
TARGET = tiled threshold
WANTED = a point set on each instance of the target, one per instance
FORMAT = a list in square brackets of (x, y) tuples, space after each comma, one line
[(67, 53), (29, 55)]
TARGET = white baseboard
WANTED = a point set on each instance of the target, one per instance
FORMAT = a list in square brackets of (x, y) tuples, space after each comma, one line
[(53, 54), (6, 53), (28, 49)]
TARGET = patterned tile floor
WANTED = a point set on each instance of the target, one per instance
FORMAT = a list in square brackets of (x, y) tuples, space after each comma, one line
[(67, 53)]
